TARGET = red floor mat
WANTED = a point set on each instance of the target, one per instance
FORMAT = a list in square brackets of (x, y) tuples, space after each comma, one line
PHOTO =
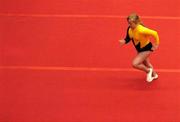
[(76, 34)]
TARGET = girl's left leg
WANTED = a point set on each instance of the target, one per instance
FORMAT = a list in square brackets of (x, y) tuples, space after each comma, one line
[(148, 64)]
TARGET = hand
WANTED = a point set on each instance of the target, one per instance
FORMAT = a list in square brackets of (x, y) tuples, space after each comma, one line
[(155, 47), (122, 42)]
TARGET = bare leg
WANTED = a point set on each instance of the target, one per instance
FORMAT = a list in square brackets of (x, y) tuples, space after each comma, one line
[(148, 64), (139, 59)]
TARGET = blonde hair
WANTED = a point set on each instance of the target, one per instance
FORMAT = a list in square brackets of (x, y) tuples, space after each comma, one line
[(135, 18)]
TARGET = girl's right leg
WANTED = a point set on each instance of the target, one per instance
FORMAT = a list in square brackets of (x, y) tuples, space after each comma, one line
[(138, 61), (138, 64)]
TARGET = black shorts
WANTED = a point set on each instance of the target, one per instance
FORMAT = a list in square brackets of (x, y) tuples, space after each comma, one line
[(148, 47)]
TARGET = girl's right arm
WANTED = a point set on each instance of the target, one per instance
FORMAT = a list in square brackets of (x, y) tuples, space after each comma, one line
[(126, 40)]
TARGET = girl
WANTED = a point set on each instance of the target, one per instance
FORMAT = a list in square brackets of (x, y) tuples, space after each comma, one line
[(140, 36)]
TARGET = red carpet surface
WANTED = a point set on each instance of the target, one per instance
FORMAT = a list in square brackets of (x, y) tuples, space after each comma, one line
[(60, 61)]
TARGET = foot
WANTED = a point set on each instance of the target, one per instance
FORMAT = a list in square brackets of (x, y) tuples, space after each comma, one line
[(155, 77), (149, 75)]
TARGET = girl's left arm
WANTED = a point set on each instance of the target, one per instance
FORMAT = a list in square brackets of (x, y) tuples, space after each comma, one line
[(152, 33)]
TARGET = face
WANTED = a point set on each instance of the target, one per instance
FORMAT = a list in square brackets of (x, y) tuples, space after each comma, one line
[(132, 24)]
